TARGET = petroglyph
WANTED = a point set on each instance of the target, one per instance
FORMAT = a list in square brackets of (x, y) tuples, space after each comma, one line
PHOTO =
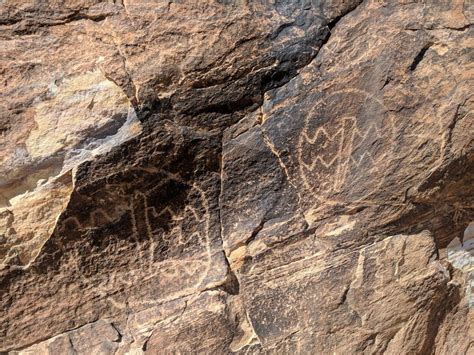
[(169, 227), (345, 137)]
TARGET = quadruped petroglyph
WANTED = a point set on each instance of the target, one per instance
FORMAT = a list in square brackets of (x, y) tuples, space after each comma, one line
[(167, 222)]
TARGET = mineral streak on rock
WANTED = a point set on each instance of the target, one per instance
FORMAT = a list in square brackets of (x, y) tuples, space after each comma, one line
[(236, 177)]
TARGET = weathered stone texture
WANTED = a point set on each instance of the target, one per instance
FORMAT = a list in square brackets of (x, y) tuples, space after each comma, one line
[(236, 177)]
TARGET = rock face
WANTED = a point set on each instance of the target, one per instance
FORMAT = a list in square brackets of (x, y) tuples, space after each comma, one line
[(236, 176)]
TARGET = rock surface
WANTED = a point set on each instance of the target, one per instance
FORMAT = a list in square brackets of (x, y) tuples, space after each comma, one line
[(236, 176)]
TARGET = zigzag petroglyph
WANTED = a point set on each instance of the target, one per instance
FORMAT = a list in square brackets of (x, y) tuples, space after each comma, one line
[(337, 147)]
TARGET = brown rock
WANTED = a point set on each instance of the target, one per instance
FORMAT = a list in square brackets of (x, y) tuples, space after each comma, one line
[(234, 176)]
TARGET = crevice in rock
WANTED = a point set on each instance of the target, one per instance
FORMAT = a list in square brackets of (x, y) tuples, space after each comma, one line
[(387, 81), (280, 29), (228, 107), (458, 116), (72, 345), (83, 16), (451, 28), (119, 334), (35, 27), (133, 97), (419, 57), (255, 232), (11, 21), (343, 298), (230, 285)]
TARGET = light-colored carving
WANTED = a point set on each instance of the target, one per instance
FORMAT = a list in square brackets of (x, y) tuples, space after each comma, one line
[(338, 151), (188, 272)]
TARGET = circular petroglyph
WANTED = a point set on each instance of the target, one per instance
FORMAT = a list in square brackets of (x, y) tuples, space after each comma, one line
[(346, 137)]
